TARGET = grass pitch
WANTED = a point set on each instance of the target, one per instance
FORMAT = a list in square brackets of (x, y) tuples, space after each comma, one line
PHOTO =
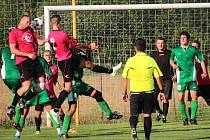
[(119, 131)]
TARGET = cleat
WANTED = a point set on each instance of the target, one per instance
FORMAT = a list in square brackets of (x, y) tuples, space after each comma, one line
[(17, 126), (17, 138), (64, 136), (17, 135), (37, 132), (73, 131), (10, 112), (134, 134), (193, 121), (116, 68), (22, 103), (164, 119), (159, 116), (56, 110), (185, 122), (115, 115)]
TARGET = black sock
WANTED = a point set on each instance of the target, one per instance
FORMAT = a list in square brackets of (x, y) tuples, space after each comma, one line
[(189, 112), (15, 100), (29, 96), (38, 122), (61, 99), (133, 121), (101, 69), (147, 127), (61, 117), (165, 108)]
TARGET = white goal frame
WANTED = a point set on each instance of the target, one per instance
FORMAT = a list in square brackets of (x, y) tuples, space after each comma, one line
[(47, 10)]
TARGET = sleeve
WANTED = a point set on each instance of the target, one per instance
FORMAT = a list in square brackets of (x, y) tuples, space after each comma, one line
[(157, 72), (12, 37), (36, 36), (199, 55), (127, 72), (172, 56)]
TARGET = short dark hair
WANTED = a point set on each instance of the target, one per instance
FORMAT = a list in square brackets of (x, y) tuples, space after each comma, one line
[(160, 38), (140, 44), (186, 34), (55, 18), (196, 41)]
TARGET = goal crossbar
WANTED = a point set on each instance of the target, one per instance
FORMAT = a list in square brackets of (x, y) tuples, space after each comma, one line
[(47, 9)]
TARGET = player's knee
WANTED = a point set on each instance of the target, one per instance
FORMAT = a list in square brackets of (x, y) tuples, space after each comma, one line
[(147, 115), (98, 96), (39, 87)]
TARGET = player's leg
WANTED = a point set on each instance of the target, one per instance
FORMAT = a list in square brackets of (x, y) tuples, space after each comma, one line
[(194, 103), (135, 108), (100, 69), (67, 68), (189, 99), (203, 91), (182, 107), (167, 91), (157, 106), (38, 119), (148, 106)]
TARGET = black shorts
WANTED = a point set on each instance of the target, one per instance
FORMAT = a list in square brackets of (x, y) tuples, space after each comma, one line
[(30, 70), (41, 107), (142, 103), (168, 85)]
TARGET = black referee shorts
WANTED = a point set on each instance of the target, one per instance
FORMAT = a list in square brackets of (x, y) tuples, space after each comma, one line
[(142, 103)]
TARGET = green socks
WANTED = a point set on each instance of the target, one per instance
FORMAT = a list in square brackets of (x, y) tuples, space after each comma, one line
[(66, 124), (22, 122), (105, 107), (182, 108), (17, 114), (54, 119), (194, 108)]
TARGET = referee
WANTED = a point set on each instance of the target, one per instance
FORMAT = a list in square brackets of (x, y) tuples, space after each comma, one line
[(139, 71)]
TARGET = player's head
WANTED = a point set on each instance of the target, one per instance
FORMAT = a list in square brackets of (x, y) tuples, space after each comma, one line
[(25, 21), (195, 43), (184, 38), (55, 20), (47, 55), (140, 45), (160, 43)]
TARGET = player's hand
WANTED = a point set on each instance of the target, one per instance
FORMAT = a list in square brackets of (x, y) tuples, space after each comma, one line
[(203, 75), (59, 87), (125, 97), (174, 78), (162, 96), (93, 46), (31, 56), (175, 66)]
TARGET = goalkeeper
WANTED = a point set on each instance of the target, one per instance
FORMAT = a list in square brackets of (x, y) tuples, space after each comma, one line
[(82, 88)]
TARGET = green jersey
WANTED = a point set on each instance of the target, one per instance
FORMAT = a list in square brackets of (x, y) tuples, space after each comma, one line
[(185, 59), (9, 69)]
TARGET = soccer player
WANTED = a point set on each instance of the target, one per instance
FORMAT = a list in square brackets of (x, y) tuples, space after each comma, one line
[(82, 88), (140, 70), (50, 89), (42, 99), (162, 58), (203, 84), (63, 44), (23, 42), (184, 55)]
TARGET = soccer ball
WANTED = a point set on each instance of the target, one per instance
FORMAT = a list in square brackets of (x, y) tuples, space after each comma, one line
[(37, 23)]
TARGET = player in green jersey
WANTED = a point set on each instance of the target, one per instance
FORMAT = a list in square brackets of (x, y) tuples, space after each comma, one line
[(184, 56)]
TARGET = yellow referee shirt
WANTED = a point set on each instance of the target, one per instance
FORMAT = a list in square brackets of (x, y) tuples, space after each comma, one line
[(141, 70)]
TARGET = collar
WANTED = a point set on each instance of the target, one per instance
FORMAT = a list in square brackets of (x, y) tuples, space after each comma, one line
[(141, 54)]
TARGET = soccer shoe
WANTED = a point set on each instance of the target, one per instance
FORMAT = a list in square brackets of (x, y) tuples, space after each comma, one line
[(17, 138), (73, 131), (115, 115), (116, 68), (64, 136), (21, 103), (185, 122), (10, 112), (37, 132), (159, 116), (193, 121), (134, 134), (164, 119), (17, 126)]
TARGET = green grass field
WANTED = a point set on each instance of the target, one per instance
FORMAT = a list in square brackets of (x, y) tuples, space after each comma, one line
[(119, 131)]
